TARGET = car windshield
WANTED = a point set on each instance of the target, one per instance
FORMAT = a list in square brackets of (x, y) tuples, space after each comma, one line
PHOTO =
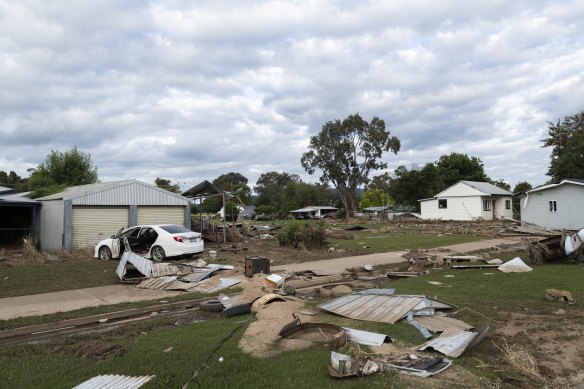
[(172, 229)]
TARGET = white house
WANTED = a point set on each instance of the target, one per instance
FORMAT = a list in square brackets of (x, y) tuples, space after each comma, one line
[(468, 200), (555, 206)]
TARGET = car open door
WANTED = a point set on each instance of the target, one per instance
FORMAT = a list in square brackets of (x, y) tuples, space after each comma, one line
[(116, 244)]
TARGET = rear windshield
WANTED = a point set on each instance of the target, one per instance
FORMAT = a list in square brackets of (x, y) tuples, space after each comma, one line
[(172, 229)]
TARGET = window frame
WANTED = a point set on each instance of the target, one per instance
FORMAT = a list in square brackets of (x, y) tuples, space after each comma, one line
[(487, 205), (553, 206), (442, 203), (507, 204)]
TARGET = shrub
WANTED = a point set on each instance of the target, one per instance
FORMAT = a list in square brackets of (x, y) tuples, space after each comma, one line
[(311, 235)]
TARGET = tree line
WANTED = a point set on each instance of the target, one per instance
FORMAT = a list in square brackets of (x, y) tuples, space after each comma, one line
[(345, 154)]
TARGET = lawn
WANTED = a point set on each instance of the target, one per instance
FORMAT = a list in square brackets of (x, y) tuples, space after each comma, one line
[(174, 352)]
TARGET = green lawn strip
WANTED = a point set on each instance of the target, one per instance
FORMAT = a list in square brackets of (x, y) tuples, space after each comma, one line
[(90, 311), (56, 276), (368, 243)]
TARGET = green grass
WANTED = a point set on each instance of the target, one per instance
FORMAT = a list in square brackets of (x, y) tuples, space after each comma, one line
[(56, 276), (368, 242)]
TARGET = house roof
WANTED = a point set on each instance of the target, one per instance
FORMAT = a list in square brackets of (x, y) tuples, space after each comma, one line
[(313, 208), (74, 192), (484, 187), (568, 181), (375, 209)]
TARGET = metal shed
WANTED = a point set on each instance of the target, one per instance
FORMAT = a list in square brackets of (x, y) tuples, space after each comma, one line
[(81, 216)]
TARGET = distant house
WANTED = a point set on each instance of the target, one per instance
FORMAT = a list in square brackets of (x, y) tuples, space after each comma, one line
[(468, 200), (313, 212), (376, 212), (555, 206)]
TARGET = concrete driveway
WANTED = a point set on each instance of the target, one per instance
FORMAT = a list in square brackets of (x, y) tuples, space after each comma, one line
[(68, 300)]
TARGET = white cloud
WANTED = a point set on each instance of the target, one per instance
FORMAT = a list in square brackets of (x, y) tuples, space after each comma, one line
[(190, 91)]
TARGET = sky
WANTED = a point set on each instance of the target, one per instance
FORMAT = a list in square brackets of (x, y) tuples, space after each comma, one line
[(188, 91)]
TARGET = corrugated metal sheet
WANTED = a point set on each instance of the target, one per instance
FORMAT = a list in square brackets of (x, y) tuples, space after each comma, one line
[(439, 323), (119, 193), (516, 265), (143, 265), (164, 269), (451, 342), (156, 283), (365, 337), (199, 274), (93, 224), (161, 215), (114, 382), (213, 285), (380, 308)]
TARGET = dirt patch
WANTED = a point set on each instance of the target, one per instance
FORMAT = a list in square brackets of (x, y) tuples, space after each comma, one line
[(94, 349), (554, 340)]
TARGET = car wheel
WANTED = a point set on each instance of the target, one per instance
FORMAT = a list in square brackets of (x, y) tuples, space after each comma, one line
[(104, 253), (158, 254)]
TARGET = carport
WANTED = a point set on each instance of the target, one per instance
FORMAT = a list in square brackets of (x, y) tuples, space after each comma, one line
[(200, 192), (18, 217)]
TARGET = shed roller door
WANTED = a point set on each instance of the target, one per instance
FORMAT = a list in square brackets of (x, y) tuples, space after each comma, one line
[(92, 224), (161, 215)]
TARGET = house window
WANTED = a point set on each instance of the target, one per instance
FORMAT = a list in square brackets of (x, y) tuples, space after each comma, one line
[(442, 203), (507, 204), (553, 206), (486, 205)]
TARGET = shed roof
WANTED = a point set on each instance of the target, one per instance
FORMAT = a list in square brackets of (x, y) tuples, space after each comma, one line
[(203, 189), (313, 208), (75, 192), (484, 187), (375, 209), (17, 198)]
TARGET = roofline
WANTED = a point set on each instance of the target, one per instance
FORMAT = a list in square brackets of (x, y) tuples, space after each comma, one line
[(549, 186)]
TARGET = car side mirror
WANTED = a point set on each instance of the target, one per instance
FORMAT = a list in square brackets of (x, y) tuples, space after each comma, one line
[(113, 236)]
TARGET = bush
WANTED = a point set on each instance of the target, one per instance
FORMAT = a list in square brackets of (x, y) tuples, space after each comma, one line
[(311, 235), (341, 214)]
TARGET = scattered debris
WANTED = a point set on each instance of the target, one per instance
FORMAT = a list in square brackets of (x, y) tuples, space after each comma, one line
[(419, 366), (254, 265), (341, 290), (274, 281), (406, 274), (437, 283), (266, 299), (425, 333), (342, 365), (516, 265), (440, 322), (559, 295), (366, 338)]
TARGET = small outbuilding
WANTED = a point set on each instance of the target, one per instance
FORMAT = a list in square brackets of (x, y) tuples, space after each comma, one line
[(81, 216), (468, 200), (556, 206), (313, 212)]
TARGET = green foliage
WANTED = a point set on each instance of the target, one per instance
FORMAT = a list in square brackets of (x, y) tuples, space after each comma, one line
[(61, 170), (166, 185), (346, 152), (566, 138), (266, 212), (341, 214), (13, 181), (500, 183), (312, 235), (230, 182), (456, 167), (409, 186), (375, 198), (520, 187), (271, 187)]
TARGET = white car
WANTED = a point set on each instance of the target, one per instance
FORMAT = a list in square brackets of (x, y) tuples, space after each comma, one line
[(156, 242)]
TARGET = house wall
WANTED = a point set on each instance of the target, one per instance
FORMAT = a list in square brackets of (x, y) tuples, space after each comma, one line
[(570, 207), (500, 211), (458, 208), (52, 225)]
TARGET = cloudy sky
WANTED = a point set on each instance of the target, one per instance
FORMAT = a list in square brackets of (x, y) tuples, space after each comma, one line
[(191, 90)]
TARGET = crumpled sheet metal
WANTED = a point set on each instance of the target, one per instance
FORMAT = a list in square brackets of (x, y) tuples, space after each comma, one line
[(417, 366), (342, 365), (380, 308), (265, 299), (516, 265), (366, 338), (210, 285), (142, 264), (453, 342), (439, 323), (164, 269)]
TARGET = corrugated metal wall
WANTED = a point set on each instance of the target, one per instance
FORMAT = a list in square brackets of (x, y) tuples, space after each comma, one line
[(92, 224), (161, 215), (51, 225), (131, 194)]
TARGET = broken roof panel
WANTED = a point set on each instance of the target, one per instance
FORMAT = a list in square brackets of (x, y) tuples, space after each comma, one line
[(156, 283), (164, 269), (213, 285), (453, 342), (365, 337), (439, 323), (143, 265), (380, 308), (114, 381)]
